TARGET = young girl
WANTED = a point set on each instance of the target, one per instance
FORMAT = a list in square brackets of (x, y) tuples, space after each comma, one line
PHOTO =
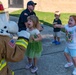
[(70, 49), (34, 48)]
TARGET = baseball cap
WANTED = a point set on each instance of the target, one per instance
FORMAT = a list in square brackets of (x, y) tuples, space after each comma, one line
[(31, 3), (57, 12)]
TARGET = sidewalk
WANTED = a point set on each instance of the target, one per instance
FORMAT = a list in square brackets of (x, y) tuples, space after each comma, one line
[(52, 60), (12, 9)]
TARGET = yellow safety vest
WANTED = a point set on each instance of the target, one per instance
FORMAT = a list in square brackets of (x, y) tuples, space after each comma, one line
[(22, 42), (12, 73), (2, 64)]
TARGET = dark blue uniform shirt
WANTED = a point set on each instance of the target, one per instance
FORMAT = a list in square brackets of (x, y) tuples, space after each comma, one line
[(23, 19)]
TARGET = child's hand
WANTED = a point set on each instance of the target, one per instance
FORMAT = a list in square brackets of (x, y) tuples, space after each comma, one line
[(35, 39), (54, 23), (32, 37), (58, 26), (55, 26), (70, 40)]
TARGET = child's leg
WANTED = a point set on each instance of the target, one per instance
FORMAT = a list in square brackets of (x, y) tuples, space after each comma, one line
[(29, 60), (34, 68), (67, 57), (54, 33), (73, 55), (58, 36), (69, 62), (74, 61), (35, 61), (55, 38), (29, 65), (58, 39)]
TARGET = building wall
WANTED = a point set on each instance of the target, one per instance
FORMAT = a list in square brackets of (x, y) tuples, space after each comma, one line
[(25, 3), (50, 5), (5, 3), (53, 5)]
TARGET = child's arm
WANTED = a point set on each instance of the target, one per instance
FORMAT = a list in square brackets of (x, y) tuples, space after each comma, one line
[(54, 23), (37, 38), (59, 26)]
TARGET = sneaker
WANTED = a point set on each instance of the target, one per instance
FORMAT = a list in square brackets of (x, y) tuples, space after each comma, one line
[(34, 69), (68, 65), (57, 43), (54, 41), (28, 66), (74, 71)]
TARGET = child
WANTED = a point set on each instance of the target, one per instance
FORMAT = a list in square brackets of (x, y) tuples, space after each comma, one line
[(70, 49), (10, 50), (57, 30), (34, 48)]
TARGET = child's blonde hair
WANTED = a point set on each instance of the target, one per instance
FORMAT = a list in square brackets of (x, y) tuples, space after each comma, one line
[(74, 17), (57, 12), (34, 19)]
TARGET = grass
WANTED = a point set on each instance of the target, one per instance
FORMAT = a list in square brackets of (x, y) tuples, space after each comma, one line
[(46, 18)]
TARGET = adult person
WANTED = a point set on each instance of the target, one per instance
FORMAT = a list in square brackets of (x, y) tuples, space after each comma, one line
[(22, 23), (10, 50)]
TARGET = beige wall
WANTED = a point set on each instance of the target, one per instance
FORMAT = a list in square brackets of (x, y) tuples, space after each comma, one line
[(5, 3), (50, 5), (53, 5), (25, 3)]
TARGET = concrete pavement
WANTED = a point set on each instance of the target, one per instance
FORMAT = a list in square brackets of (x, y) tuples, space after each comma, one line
[(52, 60), (12, 9)]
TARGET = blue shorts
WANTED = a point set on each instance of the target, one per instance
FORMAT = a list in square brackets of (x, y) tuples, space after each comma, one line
[(72, 52)]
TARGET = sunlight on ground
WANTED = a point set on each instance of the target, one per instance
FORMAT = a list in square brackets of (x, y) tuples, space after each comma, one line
[(47, 35)]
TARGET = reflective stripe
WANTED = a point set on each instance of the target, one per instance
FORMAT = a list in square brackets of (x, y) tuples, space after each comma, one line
[(2, 64), (12, 73), (22, 42)]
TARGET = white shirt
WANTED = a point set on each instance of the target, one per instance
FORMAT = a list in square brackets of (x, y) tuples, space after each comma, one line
[(33, 32), (71, 36)]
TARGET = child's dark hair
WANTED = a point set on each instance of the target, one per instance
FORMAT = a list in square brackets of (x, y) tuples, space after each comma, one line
[(34, 19), (74, 17)]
